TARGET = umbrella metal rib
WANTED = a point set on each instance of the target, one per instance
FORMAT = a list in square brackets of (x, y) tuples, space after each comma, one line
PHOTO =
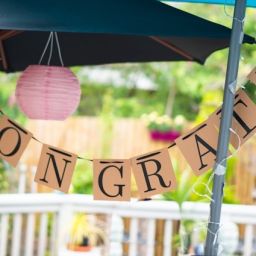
[(5, 34), (2, 56), (173, 48)]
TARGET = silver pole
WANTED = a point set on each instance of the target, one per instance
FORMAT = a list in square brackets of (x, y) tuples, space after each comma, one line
[(211, 247)]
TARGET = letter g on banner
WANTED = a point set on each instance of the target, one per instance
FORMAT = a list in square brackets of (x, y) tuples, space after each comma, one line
[(153, 173), (112, 180), (13, 140)]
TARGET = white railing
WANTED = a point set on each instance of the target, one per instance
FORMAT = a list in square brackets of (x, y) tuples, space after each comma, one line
[(21, 212)]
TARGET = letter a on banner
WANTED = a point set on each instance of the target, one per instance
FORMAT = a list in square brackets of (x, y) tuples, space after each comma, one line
[(13, 140), (153, 173), (55, 168), (199, 147), (112, 180)]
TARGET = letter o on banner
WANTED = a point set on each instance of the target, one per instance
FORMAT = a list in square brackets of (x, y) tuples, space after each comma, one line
[(13, 140)]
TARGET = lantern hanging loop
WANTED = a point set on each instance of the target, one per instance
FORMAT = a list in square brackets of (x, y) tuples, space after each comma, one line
[(51, 37), (58, 47), (45, 48)]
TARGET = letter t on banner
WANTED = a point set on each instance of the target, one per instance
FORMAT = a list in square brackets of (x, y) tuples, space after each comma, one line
[(112, 180), (243, 121), (55, 168), (153, 173)]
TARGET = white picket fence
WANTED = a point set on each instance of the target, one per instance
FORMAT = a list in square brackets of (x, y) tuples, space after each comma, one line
[(25, 219), (21, 210)]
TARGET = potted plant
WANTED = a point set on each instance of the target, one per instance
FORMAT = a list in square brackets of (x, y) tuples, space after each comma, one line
[(163, 127), (84, 236)]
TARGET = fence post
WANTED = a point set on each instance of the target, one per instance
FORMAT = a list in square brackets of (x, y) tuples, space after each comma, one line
[(64, 219)]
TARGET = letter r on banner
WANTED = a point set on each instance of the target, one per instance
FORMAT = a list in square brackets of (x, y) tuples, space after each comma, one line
[(153, 173), (13, 140), (55, 168), (112, 180)]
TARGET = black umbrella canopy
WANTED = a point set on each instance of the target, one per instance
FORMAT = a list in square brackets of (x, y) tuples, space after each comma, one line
[(100, 32)]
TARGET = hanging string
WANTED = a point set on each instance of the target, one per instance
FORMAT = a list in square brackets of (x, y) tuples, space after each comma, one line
[(204, 225), (45, 48), (208, 193), (218, 170), (241, 36), (231, 16), (50, 54), (50, 39), (78, 157), (58, 47)]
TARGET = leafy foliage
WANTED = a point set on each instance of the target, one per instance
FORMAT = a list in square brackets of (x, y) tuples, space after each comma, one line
[(7, 96), (188, 183), (82, 180)]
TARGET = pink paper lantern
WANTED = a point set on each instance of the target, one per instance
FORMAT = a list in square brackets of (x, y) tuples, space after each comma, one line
[(48, 92)]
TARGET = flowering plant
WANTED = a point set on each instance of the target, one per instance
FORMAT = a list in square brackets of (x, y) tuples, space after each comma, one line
[(163, 127), (156, 122)]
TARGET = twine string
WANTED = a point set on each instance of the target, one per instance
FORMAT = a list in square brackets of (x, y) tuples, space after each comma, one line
[(50, 41), (229, 15), (219, 170), (59, 50), (46, 47)]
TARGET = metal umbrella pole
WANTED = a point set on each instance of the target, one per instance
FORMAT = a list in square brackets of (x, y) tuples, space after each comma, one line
[(211, 247)]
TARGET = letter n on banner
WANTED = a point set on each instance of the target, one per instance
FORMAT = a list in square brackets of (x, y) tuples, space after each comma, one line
[(153, 173), (199, 147), (244, 118), (13, 140), (112, 180), (55, 168)]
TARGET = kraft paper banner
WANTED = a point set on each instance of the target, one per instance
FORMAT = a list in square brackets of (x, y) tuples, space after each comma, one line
[(112, 179), (199, 147), (153, 173), (244, 119), (13, 140), (55, 168), (252, 76)]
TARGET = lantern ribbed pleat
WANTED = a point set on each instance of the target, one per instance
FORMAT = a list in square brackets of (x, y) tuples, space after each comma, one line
[(48, 92)]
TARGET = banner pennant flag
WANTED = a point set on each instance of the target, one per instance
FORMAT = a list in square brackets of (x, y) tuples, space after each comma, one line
[(112, 179), (243, 121), (199, 147), (55, 168), (153, 173), (13, 140)]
